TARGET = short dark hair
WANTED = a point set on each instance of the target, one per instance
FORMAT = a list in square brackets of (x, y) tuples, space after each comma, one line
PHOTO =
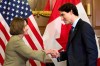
[(68, 7), (17, 25)]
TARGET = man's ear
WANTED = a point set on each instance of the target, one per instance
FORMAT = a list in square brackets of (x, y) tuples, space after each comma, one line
[(71, 12)]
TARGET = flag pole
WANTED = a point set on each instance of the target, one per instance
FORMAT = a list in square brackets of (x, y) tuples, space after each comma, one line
[(43, 13)]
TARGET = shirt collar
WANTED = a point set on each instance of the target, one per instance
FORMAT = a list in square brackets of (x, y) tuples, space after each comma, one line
[(74, 24)]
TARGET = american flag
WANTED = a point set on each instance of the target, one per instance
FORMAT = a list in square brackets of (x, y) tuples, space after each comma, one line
[(18, 8)]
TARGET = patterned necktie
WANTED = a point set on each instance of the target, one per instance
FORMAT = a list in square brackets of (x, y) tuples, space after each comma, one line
[(72, 30)]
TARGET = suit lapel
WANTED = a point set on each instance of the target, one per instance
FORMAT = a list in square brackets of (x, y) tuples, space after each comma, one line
[(75, 30), (73, 34)]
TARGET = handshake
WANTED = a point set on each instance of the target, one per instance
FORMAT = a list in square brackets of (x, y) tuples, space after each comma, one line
[(53, 52)]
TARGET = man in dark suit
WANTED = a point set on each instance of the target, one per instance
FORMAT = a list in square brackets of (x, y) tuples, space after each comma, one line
[(81, 49)]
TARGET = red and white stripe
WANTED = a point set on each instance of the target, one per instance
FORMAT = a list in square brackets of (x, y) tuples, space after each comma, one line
[(49, 5), (33, 39), (4, 37)]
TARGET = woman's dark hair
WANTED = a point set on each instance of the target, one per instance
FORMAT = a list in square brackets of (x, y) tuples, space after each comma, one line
[(17, 25), (68, 7)]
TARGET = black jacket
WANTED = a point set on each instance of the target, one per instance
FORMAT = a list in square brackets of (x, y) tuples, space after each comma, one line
[(81, 49)]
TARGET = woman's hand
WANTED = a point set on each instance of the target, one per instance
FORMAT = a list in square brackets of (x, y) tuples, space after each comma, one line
[(53, 52)]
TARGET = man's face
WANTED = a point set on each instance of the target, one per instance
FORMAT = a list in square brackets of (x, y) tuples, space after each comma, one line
[(66, 17)]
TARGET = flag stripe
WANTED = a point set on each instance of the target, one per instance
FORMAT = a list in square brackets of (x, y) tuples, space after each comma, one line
[(2, 52), (43, 64), (33, 46), (75, 2), (1, 60), (30, 42), (35, 33), (26, 42), (32, 62), (3, 37), (4, 24), (47, 8), (34, 23), (4, 31), (34, 39), (49, 5), (2, 44)]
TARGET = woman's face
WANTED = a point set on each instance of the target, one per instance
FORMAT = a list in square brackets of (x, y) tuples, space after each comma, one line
[(25, 28)]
